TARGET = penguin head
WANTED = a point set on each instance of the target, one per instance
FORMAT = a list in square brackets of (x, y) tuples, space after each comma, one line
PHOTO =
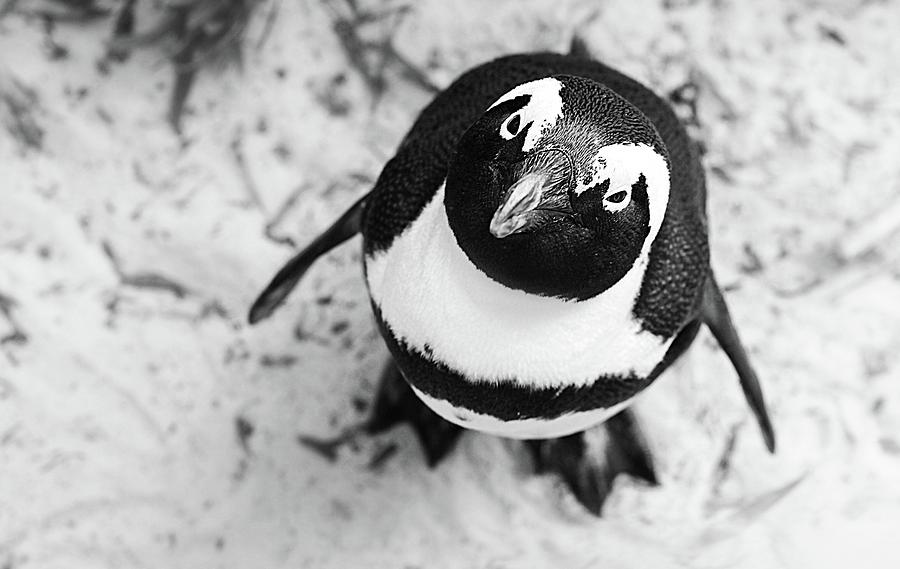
[(559, 188)]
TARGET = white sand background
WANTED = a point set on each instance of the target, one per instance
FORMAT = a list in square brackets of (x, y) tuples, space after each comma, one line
[(120, 395)]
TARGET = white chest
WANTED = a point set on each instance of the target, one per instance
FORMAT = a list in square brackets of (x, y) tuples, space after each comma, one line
[(435, 301)]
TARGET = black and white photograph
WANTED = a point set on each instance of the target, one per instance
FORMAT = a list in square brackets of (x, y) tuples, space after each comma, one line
[(449, 284)]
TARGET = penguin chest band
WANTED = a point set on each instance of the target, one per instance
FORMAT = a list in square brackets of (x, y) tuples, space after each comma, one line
[(525, 428)]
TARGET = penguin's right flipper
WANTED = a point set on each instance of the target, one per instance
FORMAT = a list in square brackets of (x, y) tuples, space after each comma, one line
[(396, 403), (591, 478), (286, 279), (714, 313)]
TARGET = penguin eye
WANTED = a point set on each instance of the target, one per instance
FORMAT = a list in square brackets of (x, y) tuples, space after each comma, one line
[(617, 201), (510, 127), (617, 197)]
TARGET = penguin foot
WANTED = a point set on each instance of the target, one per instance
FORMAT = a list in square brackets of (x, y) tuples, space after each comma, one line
[(328, 447), (396, 403), (590, 478)]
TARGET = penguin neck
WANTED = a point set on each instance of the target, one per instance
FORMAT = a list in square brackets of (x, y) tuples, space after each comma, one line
[(434, 300)]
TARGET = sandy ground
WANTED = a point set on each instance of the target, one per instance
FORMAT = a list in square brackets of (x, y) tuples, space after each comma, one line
[(144, 424)]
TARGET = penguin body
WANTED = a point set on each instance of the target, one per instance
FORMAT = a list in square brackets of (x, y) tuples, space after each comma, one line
[(522, 363), (536, 252)]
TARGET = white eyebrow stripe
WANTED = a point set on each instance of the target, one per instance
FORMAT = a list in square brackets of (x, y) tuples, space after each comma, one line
[(543, 109), (623, 165)]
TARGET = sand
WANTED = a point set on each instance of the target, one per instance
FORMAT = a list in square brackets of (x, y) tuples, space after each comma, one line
[(143, 423)]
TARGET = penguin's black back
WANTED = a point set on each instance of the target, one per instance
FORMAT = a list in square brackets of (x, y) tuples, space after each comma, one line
[(679, 258)]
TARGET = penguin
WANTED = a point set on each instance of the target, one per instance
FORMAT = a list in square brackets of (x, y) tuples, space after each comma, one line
[(536, 254)]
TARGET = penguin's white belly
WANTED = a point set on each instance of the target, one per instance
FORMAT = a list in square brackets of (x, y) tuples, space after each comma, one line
[(436, 302)]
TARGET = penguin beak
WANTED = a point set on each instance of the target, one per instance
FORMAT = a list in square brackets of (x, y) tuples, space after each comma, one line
[(517, 210)]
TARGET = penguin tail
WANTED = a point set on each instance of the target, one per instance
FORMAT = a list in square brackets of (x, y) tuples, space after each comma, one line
[(277, 291), (579, 48)]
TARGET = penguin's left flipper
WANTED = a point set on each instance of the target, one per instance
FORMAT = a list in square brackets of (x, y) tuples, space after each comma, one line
[(714, 313), (283, 283), (591, 478)]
